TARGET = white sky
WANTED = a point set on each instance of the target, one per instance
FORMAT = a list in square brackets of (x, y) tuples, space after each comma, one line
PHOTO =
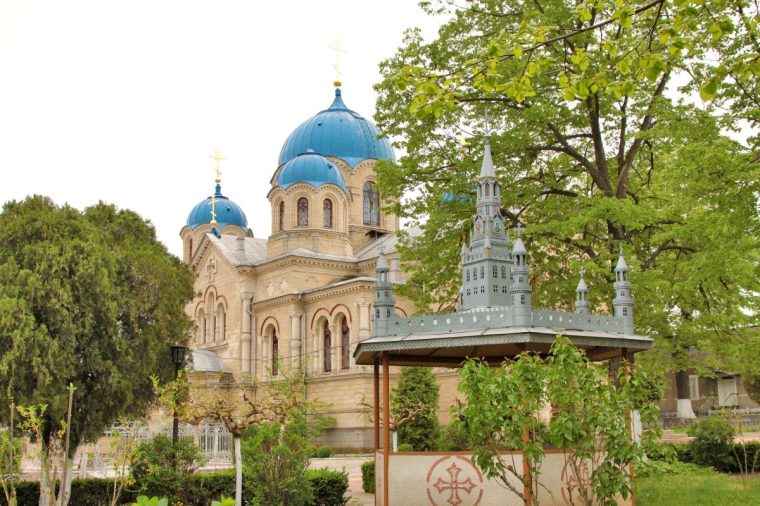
[(126, 101)]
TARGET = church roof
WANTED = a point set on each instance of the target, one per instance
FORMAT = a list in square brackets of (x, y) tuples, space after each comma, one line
[(340, 132), (227, 212), (310, 168), (206, 361)]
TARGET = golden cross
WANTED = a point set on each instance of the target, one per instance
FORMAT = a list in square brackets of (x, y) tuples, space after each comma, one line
[(217, 156), (338, 48)]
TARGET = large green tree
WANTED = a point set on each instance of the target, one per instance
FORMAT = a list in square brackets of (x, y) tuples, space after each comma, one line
[(89, 298), (594, 149)]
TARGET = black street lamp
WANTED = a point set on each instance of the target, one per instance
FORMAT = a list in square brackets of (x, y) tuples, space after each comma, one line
[(178, 358)]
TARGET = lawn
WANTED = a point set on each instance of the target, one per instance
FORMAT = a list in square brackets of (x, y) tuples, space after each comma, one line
[(704, 489)]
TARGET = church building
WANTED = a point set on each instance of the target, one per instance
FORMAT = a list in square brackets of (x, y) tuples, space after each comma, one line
[(303, 297)]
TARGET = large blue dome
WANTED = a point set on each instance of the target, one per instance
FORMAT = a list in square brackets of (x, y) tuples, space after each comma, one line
[(227, 212), (340, 132), (312, 169)]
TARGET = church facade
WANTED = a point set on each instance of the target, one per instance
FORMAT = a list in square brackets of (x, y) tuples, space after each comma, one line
[(301, 299)]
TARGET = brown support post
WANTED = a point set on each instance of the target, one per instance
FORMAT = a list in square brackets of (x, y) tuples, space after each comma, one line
[(628, 418), (376, 405), (527, 479), (386, 427)]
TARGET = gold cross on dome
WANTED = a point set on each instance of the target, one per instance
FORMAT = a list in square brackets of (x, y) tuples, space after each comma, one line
[(217, 156), (338, 48)]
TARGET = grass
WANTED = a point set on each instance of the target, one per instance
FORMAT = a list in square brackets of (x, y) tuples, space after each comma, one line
[(702, 487)]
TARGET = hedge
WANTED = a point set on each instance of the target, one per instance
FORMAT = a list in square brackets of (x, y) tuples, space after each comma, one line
[(199, 490), (683, 453), (329, 487), (368, 476)]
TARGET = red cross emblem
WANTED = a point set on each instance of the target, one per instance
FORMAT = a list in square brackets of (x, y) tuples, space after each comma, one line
[(454, 484)]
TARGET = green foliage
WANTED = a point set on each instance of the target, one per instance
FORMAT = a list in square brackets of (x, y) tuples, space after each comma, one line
[(590, 152), (224, 501), (87, 492), (694, 488), (329, 487), (320, 452), (712, 443), (90, 298), (160, 467), (275, 458), (405, 447), (588, 419), (414, 408), (647, 468), (368, 476), (454, 437), (752, 385), (151, 501)]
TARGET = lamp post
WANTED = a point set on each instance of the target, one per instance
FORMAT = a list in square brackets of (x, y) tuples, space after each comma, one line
[(178, 358)]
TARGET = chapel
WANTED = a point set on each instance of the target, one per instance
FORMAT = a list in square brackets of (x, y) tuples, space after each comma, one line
[(301, 298)]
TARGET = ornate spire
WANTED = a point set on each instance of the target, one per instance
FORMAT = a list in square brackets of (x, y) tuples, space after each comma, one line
[(623, 302), (581, 295), (521, 290), (384, 298), (487, 168)]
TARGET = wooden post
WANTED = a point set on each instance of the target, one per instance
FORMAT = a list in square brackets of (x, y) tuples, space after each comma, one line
[(527, 479), (376, 405), (628, 420), (386, 427)]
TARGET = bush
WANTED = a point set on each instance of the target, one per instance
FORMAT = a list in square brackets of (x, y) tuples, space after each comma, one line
[(652, 467), (405, 447), (329, 487), (321, 452), (274, 464), (154, 470), (712, 443), (368, 476), (89, 492)]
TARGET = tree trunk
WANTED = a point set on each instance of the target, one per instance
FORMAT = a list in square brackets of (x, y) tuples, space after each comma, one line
[(65, 492), (238, 473), (683, 399), (45, 491)]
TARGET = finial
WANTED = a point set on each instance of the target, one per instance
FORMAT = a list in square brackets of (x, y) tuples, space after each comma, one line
[(519, 229), (217, 156), (621, 249), (382, 249), (582, 271), (488, 127), (338, 48)]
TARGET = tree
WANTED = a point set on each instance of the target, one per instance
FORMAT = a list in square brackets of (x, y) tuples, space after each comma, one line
[(588, 420), (248, 407), (415, 400), (90, 299), (594, 150)]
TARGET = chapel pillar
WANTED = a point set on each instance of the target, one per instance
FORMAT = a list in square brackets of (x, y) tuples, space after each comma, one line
[(364, 327), (295, 338), (245, 333), (315, 352)]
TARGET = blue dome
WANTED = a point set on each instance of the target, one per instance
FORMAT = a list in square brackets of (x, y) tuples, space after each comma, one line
[(227, 212), (338, 131), (312, 169)]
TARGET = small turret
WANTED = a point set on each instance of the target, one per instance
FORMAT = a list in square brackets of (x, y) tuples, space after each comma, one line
[(521, 290), (623, 302), (384, 298), (581, 295)]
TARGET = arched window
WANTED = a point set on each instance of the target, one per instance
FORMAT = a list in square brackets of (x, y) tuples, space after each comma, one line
[(211, 321), (371, 204), (327, 213), (345, 344), (482, 272), (221, 320), (282, 216), (327, 348), (488, 190), (503, 272), (303, 212), (201, 327), (495, 271), (467, 271), (275, 353)]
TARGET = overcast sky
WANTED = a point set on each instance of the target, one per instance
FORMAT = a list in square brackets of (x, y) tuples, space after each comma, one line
[(126, 101)]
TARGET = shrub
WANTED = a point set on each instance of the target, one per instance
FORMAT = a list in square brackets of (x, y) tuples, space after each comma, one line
[(646, 468), (274, 462), (405, 447), (201, 488), (454, 438), (321, 452), (160, 468), (368, 476), (329, 487), (712, 443), (89, 492)]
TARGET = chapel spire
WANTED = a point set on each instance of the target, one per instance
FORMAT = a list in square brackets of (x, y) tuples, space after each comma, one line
[(385, 302), (581, 295), (623, 302), (521, 290)]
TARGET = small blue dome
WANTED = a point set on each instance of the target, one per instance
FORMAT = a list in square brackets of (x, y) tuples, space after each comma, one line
[(340, 132), (312, 169), (227, 212)]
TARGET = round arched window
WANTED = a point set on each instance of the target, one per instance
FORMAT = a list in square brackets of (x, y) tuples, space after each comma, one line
[(303, 212)]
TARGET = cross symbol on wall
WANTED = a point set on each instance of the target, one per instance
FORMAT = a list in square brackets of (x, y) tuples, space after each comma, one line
[(211, 269), (454, 486)]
